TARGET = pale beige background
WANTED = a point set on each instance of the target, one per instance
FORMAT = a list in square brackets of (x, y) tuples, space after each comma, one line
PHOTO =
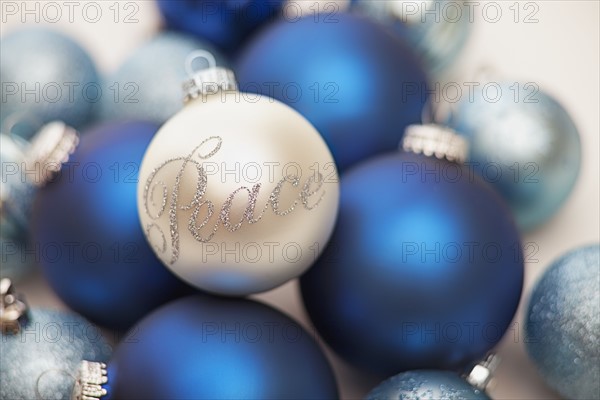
[(560, 52)]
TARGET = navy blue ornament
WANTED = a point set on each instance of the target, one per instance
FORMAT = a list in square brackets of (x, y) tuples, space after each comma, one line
[(426, 385), (147, 85), (437, 30), (46, 76), (41, 352), (356, 83), (205, 347), (424, 269), (563, 324), (89, 240), (227, 24), (525, 144)]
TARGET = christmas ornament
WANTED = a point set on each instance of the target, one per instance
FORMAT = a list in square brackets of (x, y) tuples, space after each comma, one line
[(90, 244), (42, 348), (205, 347), (563, 324), (237, 195), (227, 24), (21, 177), (424, 269), (65, 88), (434, 385), (356, 83), (147, 85), (437, 29), (14, 197), (525, 144)]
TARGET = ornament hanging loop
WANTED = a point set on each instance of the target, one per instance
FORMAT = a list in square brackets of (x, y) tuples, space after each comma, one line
[(206, 81), (13, 309)]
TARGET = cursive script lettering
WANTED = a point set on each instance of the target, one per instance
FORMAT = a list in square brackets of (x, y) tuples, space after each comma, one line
[(202, 210)]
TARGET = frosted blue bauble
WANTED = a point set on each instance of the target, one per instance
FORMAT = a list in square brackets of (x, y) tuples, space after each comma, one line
[(563, 324), (40, 362), (437, 36), (424, 269), (57, 70), (525, 144), (426, 385), (92, 249), (17, 196), (148, 85), (206, 347), (356, 83)]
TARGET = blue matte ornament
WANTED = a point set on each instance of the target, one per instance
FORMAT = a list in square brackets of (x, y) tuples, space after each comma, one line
[(206, 347), (426, 385), (525, 144), (147, 85), (46, 76), (90, 243), (227, 24), (563, 324), (41, 352), (356, 83), (437, 30), (424, 269)]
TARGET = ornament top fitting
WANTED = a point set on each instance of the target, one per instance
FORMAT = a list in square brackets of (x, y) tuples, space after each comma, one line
[(481, 375), (435, 140), (206, 81), (50, 148), (13, 309), (89, 380)]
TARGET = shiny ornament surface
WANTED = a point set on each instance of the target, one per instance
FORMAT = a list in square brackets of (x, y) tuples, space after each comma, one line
[(227, 24), (16, 197), (563, 324), (40, 361), (436, 29), (525, 144), (426, 385), (206, 347), (424, 269), (147, 85), (356, 83), (65, 88), (89, 241), (237, 196)]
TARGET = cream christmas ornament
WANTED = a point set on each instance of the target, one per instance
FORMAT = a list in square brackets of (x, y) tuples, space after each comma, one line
[(238, 193)]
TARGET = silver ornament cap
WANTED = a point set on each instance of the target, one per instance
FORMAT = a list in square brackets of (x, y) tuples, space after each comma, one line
[(13, 308), (481, 375), (89, 380), (435, 140), (50, 148), (207, 81)]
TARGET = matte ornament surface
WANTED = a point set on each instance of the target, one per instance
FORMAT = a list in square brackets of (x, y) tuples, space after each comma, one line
[(426, 385), (206, 347), (424, 269), (147, 85), (237, 197), (525, 144), (563, 324), (65, 89), (40, 362), (91, 247), (356, 83)]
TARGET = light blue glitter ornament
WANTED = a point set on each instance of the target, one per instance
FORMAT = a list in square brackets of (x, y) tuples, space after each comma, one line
[(563, 324), (47, 76), (436, 29), (524, 143), (148, 84), (41, 350)]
